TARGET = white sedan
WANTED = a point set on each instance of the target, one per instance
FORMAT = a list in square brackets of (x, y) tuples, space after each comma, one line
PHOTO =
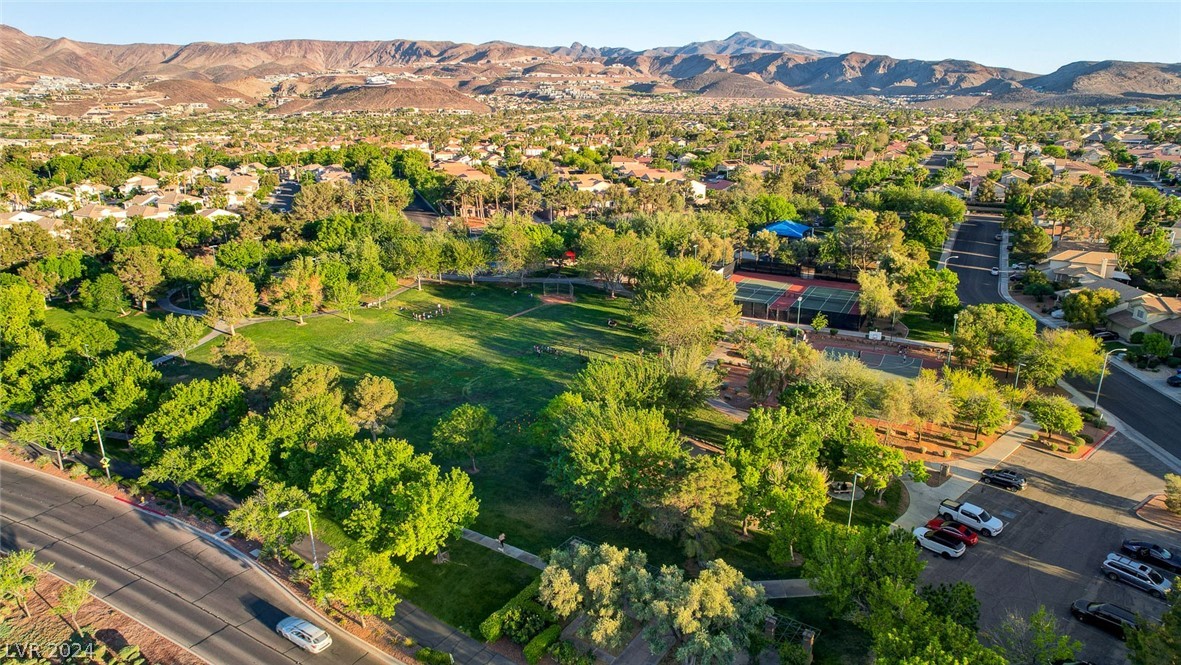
[(940, 543), (995, 271), (305, 634)]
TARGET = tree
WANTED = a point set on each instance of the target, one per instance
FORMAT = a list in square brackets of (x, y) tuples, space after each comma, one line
[(467, 256), (994, 333), (857, 383), (229, 297), (605, 583), (797, 509), (929, 401), (361, 580), (877, 298), (178, 334), (894, 405), (615, 457), (374, 401), (257, 518), (19, 574), (1152, 643), (1055, 414), (877, 463), (177, 466), (191, 414), (391, 499), (1061, 351), (241, 359), (72, 599), (89, 337), (103, 294), (239, 456), (696, 506), (905, 629), (1157, 344), (469, 430), (611, 256), (710, 619), (955, 601), (1087, 306), (819, 322), (343, 296), (1173, 493), (682, 318), (977, 400), (298, 292), (776, 360), (140, 270), (845, 565), (1034, 640)]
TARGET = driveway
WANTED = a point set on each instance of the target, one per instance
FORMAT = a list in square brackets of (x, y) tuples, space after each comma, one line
[(1057, 532), (160, 574)]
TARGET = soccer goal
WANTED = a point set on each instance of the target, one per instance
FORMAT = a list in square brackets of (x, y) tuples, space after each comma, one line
[(557, 290)]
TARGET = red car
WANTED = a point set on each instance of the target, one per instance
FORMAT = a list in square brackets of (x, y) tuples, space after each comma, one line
[(955, 530)]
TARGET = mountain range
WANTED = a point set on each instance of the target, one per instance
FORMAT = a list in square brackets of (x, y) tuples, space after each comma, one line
[(450, 74)]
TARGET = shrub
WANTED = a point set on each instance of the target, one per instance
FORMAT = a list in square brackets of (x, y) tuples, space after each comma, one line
[(1153, 362), (946, 452), (493, 627), (1173, 362), (922, 450), (832, 331), (95, 473), (1173, 493), (1137, 337), (433, 657), (540, 644), (1034, 437), (1053, 447), (1085, 439), (77, 471), (1078, 441), (1072, 448), (522, 623), (565, 653), (1177, 352)]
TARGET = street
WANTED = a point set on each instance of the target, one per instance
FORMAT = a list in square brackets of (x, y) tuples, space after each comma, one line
[(284, 196), (178, 584), (1057, 532), (1140, 406)]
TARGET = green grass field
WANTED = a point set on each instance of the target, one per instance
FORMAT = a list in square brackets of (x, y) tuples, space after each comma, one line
[(923, 329), (134, 330)]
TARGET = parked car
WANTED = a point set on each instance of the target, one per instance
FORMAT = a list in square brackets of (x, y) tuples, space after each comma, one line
[(1020, 267), (1006, 478), (995, 271), (1104, 616), (1174, 380), (997, 237), (1122, 569), (1057, 314), (972, 515), (940, 543), (305, 634), (1153, 554), (955, 530), (1104, 335)]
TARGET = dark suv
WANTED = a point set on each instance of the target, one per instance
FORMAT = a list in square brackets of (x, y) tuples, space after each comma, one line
[(1006, 478), (1104, 616)]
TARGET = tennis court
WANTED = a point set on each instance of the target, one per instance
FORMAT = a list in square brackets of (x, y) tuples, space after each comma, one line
[(826, 299), (906, 367), (758, 294)]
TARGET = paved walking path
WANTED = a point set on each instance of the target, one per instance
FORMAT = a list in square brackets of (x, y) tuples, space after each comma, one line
[(924, 500), (517, 553)]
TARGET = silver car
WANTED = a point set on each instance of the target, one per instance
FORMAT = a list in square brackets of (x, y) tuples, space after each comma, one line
[(305, 634), (1122, 569)]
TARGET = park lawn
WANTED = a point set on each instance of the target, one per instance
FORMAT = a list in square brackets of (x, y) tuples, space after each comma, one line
[(866, 511), (475, 583), (707, 424), (134, 330), (923, 329), (840, 642)]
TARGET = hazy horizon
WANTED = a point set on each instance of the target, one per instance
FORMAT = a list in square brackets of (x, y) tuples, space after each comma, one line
[(1037, 38)]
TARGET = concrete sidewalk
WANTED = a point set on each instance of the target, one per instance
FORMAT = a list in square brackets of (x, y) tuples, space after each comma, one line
[(925, 500), (527, 558), (788, 589)]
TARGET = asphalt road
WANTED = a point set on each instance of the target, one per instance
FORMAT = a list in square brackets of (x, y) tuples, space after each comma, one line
[(183, 587), (284, 195), (1057, 532), (1136, 404)]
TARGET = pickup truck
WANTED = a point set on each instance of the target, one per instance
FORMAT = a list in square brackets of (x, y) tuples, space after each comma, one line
[(971, 515)]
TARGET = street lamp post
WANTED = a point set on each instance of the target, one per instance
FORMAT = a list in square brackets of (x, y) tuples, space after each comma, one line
[(1018, 377), (311, 533), (1102, 374), (105, 461), (943, 262), (852, 496)]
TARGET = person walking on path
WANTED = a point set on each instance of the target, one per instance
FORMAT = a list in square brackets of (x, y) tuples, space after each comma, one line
[(500, 539)]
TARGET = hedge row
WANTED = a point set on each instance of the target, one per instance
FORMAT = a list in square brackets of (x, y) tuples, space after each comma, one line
[(538, 646), (493, 627)]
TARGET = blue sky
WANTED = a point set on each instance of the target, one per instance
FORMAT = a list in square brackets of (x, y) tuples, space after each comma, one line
[(1036, 37)]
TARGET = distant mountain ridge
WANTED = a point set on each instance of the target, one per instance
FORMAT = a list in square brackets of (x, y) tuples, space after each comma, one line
[(740, 66)]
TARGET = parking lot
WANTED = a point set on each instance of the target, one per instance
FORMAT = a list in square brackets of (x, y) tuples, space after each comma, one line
[(1057, 532)]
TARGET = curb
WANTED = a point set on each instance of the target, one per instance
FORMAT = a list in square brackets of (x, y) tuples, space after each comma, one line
[(1135, 374), (213, 540)]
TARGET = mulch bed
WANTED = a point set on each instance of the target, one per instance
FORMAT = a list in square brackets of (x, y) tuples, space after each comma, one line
[(1154, 511)]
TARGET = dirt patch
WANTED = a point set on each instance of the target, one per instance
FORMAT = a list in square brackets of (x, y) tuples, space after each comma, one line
[(939, 444), (1154, 511), (113, 630), (1065, 447)]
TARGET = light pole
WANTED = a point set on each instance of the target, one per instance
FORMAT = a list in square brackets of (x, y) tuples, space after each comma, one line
[(105, 461), (311, 534), (1099, 388), (1018, 377), (852, 496), (944, 261)]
